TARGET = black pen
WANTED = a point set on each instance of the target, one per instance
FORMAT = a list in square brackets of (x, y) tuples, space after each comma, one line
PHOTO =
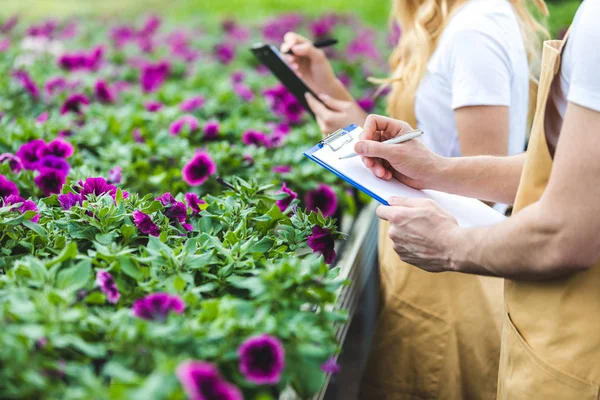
[(319, 44)]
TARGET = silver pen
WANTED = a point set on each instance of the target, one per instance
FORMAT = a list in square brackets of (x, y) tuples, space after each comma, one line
[(398, 139)]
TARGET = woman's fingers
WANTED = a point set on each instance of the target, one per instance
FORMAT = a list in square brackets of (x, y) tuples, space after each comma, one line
[(333, 104), (291, 39)]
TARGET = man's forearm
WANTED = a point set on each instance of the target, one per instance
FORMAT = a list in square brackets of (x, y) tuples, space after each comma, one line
[(488, 178)]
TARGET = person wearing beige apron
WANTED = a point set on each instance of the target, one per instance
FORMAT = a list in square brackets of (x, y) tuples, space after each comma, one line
[(549, 251)]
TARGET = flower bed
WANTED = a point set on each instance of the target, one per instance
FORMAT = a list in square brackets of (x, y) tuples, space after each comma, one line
[(110, 284)]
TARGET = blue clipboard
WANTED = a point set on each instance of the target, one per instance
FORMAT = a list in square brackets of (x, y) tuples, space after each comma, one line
[(337, 137)]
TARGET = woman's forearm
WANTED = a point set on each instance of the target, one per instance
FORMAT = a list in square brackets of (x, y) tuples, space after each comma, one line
[(488, 178)]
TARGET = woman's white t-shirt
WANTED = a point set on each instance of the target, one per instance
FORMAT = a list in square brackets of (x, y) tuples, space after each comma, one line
[(480, 61)]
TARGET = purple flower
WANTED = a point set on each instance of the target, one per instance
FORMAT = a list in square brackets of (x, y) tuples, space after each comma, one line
[(27, 83), (82, 60), (137, 136), (211, 129), (194, 202), (330, 366), (55, 85), (14, 162), (285, 203), (197, 171), (108, 286), (256, 138), (65, 133), (323, 26), (187, 120), (114, 175), (53, 162), (121, 86), (274, 30), (74, 104), (7, 188), (58, 148), (201, 381), (262, 359), (322, 242), (363, 47), (104, 93), (69, 31), (121, 35), (45, 29), (150, 26), (322, 198), (345, 79), (237, 76), (50, 180), (4, 45), (97, 186), (9, 24), (292, 110), (144, 223), (154, 75), (192, 104), (174, 210), (28, 153), (281, 169), (153, 106), (234, 30), (283, 103), (243, 92), (249, 159), (43, 117), (157, 306), (366, 103), (224, 52), (69, 200), (26, 205)]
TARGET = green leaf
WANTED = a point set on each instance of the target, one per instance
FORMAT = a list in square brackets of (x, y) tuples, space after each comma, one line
[(262, 246), (129, 267), (67, 253), (36, 228), (75, 277), (120, 373)]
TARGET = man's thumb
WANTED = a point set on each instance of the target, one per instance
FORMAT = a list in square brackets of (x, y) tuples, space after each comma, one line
[(371, 148)]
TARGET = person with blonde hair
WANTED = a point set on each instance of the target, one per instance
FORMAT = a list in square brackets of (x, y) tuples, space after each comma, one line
[(462, 72)]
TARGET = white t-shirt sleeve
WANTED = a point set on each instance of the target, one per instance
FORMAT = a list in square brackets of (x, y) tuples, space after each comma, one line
[(584, 87), (480, 69)]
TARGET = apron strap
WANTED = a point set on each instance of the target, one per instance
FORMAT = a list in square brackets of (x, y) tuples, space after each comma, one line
[(564, 40)]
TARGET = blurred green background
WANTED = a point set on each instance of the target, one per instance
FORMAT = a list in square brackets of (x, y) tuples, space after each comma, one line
[(374, 12)]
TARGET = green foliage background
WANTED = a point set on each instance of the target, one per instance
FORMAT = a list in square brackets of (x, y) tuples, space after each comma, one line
[(374, 12)]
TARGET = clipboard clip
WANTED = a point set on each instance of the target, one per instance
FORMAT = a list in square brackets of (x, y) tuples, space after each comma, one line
[(338, 139)]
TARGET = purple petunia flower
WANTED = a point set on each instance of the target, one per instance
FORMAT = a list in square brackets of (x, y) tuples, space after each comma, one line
[(55, 85), (43, 117), (82, 60), (281, 169), (262, 359), (53, 162), (69, 31), (187, 120), (285, 203), (4, 45), (322, 198), (28, 153), (366, 103), (154, 75), (275, 29), (98, 186), (58, 148), (50, 180), (74, 104), (7, 188), (224, 52), (151, 26), (144, 223), (65, 133), (197, 171), (120, 35), (243, 92), (284, 104), (14, 162), (211, 129), (256, 138), (153, 106), (69, 200), (114, 175), (201, 381), (192, 104), (104, 93), (108, 286), (27, 83), (45, 29), (9, 24), (330, 366), (323, 26), (237, 77), (194, 202), (174, 210), (363, 47), (137, 136), (157, 306), (345, 79), (322, 242), (26, 205), (234, 30)]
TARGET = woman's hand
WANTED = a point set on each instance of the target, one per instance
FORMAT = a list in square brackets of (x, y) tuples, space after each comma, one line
[(412, 163), (335, 114), (421, 231), (312, 65)]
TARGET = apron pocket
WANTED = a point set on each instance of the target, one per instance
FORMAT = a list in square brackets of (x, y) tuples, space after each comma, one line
[(524, 375), (407, 355)]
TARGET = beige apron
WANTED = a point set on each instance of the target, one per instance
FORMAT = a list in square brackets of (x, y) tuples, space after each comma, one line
[(551, 335), (437, 335)]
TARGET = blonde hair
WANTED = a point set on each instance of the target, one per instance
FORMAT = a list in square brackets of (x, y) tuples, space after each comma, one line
[(422, 23)]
